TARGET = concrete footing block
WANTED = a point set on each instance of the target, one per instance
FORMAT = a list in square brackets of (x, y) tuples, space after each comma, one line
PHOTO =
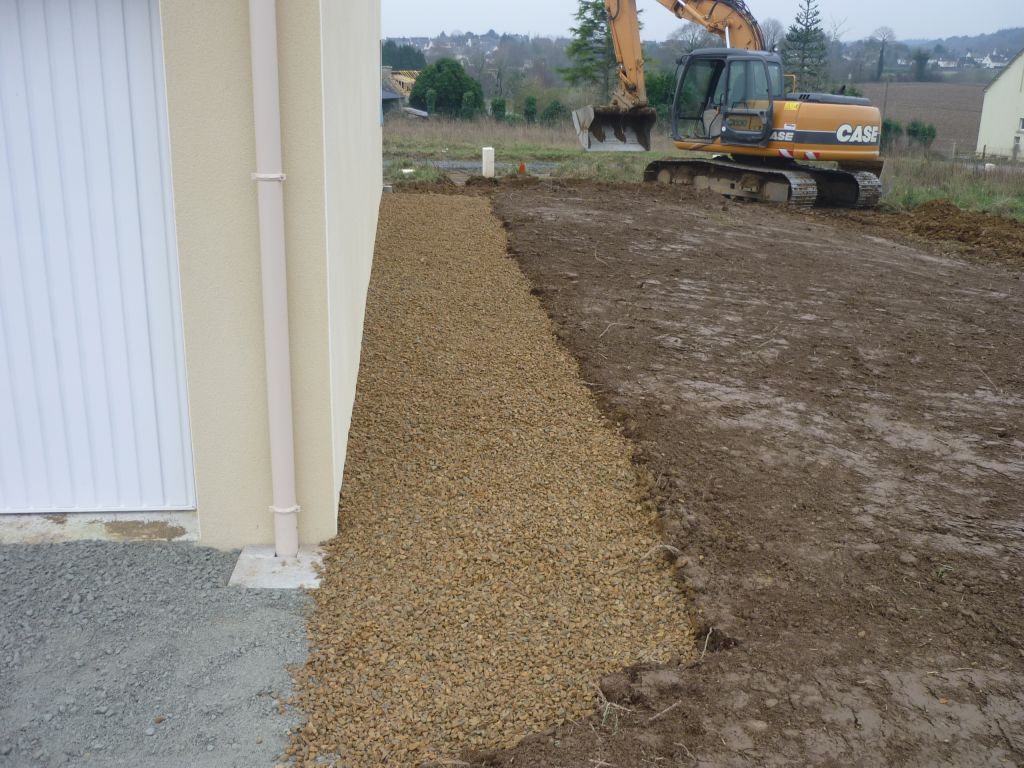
[(259, 568)]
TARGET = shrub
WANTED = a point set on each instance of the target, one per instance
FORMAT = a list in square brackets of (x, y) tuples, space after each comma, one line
[(847, 89), (498, 109), (553, 113), (921, 133), (431, 100), (530, 109), (471, 105), (661, 88), (892, 132)]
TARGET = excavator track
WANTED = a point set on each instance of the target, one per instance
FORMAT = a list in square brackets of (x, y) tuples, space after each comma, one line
[(795, 185), (847, 189)]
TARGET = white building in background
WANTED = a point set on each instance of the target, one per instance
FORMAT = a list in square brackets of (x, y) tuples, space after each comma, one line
[(134, 336), (1002, 117)]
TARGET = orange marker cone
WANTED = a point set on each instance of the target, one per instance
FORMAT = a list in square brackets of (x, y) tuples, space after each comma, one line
[(522, 168)]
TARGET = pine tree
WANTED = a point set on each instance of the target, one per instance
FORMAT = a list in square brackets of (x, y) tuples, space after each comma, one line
[(805, 49), (590, 52)]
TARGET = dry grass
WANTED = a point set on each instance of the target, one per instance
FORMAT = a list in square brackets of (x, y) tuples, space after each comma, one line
[(443, 139), (909, 180), (912, 179)]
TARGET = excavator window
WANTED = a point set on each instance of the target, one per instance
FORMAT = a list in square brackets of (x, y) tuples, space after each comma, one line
[(699, 99), (748, 112), (748, 85), (778, 80)]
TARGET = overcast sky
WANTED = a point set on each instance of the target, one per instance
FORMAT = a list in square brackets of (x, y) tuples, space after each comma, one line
[(912, 19)]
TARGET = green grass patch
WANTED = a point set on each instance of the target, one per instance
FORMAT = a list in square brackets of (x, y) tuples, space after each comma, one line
[(608, 166), (396, 172), (506, 152)]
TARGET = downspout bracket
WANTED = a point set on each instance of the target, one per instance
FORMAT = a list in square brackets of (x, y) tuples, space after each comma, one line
[(269, 177)]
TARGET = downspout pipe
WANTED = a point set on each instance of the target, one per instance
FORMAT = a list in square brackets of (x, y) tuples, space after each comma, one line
[(269, 178)]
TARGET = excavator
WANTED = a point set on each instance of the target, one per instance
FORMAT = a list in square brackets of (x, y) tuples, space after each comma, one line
[(733, 103)]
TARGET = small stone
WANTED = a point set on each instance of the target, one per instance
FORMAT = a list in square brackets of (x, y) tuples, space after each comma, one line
[(209, 747), (908, 559), (101, 710), (150, 731)]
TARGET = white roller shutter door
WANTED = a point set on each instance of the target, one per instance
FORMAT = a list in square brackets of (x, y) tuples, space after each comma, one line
[(93, 404)]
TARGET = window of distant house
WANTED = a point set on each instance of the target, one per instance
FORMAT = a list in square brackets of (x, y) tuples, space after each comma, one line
[(1021, 126)]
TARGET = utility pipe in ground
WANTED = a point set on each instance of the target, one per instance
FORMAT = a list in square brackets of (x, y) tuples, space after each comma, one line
[(269, 179)]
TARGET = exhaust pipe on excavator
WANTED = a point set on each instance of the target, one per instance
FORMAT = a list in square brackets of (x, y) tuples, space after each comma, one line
[(610, 129)]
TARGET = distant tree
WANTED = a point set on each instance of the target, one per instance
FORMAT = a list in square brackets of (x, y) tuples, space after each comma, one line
[(689, 37), (530, 109), (402, 56), (920, 58), (805, 47), (884, 36), (921, 133), (498, 109), (774, 33), (449, 81), (553, 113), (431, 100), (836, 51), (591, 54)]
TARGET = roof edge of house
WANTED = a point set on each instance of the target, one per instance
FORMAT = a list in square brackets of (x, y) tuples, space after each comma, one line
[(1006, 69)]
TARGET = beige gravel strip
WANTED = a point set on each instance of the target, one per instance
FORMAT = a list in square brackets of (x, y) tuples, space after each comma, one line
[(490, 562)]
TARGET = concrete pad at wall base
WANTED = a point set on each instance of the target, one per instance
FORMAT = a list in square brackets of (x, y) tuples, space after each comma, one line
[(106, 526), (259, 568)]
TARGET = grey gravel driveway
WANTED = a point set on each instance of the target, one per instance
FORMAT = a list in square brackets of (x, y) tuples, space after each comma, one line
[(140, 654)]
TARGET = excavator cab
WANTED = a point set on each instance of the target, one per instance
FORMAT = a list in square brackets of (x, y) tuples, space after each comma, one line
[(726, 96)]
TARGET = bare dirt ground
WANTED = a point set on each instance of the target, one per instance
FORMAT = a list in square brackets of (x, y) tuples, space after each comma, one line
[(835, 424)]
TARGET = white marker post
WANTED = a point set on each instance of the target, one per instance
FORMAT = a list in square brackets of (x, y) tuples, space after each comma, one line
[(488, 169)]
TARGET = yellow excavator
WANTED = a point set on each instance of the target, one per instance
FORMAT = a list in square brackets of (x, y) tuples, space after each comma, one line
[(733, 103)]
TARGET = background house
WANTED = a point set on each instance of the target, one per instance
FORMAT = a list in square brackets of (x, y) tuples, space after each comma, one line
[(1002, 117), (134, 376)]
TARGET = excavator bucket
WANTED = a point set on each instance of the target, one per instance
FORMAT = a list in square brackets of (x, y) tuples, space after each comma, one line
[(609, 129)]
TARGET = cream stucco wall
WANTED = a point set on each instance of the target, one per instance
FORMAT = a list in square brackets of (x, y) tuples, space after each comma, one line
[(1002, 113), (354, 181), (209, 91)]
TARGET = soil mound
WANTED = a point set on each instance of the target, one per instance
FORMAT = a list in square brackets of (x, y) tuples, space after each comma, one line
[(942, 220)]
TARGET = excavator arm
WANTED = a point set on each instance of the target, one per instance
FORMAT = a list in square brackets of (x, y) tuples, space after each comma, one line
[(629, 118), (729, 19)]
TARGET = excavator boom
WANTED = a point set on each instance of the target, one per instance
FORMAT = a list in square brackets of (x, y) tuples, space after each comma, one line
[(625, 124)]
